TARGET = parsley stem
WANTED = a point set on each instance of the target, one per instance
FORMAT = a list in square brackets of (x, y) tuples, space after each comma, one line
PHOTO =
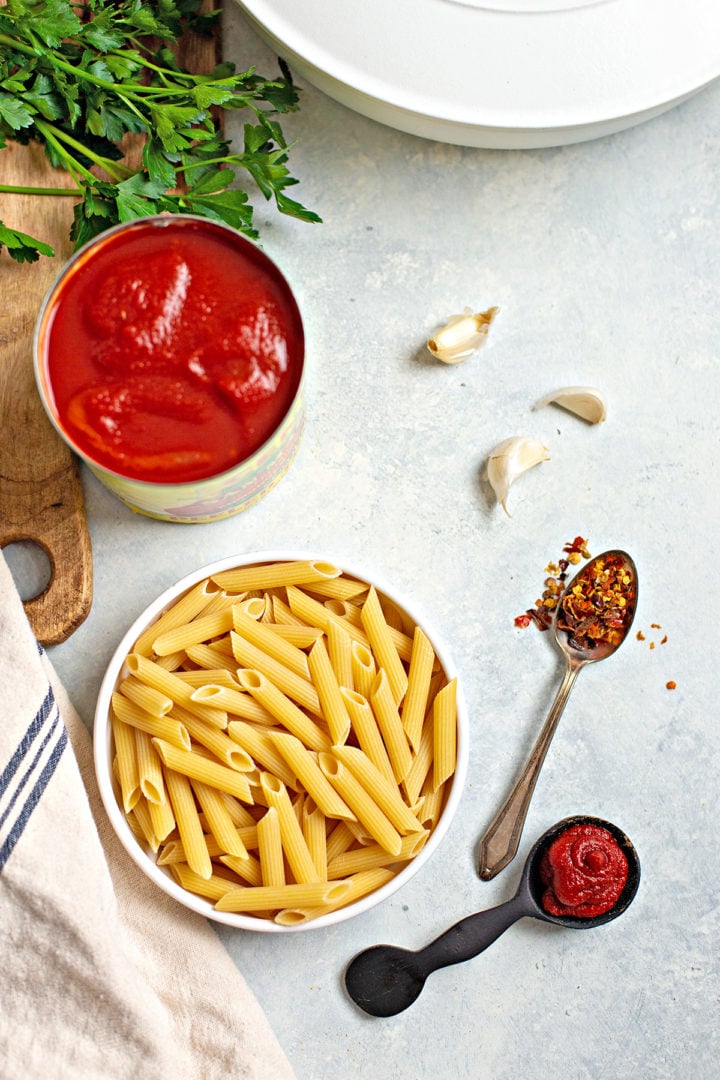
[(13, 189), (117, 171)]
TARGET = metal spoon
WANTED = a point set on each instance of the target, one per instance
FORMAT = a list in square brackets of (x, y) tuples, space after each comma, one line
[(385, 980), (499, 844)]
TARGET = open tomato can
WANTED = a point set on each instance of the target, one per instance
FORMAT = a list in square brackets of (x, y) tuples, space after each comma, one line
[(169, 354)]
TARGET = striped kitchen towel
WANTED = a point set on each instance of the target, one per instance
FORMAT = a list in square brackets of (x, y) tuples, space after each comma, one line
[(103, 975)]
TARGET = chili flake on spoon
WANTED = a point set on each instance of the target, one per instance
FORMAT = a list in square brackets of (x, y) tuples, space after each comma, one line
[(574, 551), (599, 604)]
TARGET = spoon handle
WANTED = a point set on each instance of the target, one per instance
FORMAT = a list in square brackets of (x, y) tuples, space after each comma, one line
[(500, 842), (471, 936)]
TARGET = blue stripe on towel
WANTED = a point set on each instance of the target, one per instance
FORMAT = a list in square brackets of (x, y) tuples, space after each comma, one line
[(27, 740), (21, 819)]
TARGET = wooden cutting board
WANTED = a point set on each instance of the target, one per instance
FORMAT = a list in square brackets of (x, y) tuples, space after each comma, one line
[(41, 496)]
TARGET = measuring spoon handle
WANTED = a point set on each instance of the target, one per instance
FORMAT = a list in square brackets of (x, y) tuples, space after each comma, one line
[(501, 839), (471, 935)]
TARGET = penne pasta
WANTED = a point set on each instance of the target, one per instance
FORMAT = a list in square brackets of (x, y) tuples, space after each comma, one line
[(180, 638), (274, 897), (220, 745), (303, 765), (270, 848), (154, 675), (383, 646), (127, 769), (192, 765), (285, 738), (372, 855), (293, 841), (385, 793), (390, 725), (367, 731), (416, 699), (289, 682), (219, 821), (313, 827), (339, 648), (332, 704), (260, 744), (211, 888), (283, 709), (444, 734), (151, 701), (181, 611), (270, 575), (364, 669), (169, 728), (149, 768), (186, 816), (360, 885), (363, 806), (264, 637)]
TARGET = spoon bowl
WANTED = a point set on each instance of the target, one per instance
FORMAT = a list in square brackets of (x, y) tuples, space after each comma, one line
[(590, 623), (385, 979)]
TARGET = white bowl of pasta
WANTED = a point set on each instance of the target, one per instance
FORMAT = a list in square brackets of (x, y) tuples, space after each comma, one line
[(280, 741)]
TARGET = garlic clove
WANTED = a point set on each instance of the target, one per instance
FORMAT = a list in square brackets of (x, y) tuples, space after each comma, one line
[(509, 460), (462, 335), (585, 401)]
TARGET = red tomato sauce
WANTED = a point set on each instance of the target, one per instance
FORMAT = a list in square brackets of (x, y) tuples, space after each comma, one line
[(172, 351), (584, 871)]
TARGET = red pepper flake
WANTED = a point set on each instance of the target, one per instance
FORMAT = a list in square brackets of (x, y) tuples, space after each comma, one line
[(663, 639), (599, 605), (672, 685), (640, 636), (575, 551), (652, 644), (655, 626)]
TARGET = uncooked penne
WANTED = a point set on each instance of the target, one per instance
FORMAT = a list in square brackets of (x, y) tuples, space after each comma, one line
[(414, 706), (444, 733), (360, 885), (383, 646), (289, 682), (211, 888), (126, 757), (367, 731), (293, 841), (192, 765), (225, 749), (386, 713), (313, 824), (275, 897), (149, 768), (186, 816), (363, 806), (372, 855), (260, 745), (270, 575), (331, 701), (364, 668), (270, 848), (169, 728), (264, 637), (154, 675), (302, 764), (339, 648), (283, 709), (151, 701), (383, 791), (219, 821), (193, 633), (184, 609)]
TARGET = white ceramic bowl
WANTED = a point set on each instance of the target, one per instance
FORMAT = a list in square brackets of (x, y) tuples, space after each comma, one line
[(103, 751), (503, 74)]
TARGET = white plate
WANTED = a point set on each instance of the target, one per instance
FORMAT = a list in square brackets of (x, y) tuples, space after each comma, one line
[(498, 73)]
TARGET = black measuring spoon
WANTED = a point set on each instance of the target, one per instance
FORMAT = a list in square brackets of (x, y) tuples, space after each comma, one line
[(385, 980)]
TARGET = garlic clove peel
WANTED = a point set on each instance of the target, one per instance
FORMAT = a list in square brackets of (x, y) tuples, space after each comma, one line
[(509, 460), (585, 401), (462, 335)]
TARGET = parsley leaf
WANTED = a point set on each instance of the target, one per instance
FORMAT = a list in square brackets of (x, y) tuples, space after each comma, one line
[(20, 246), (79, 86)]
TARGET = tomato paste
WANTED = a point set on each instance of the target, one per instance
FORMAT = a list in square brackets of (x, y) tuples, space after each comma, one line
[(173, 349), (584, 871)]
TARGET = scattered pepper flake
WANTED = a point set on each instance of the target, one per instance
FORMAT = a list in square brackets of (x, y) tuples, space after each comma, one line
[(640, 636), (663, 639), (671, 685), (655, 626)]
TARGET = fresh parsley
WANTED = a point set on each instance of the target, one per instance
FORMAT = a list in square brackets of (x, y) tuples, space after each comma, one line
[(78, 78)]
